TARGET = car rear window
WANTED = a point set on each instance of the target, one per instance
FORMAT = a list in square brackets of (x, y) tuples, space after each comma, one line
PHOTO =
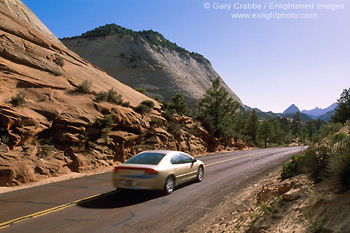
[(146, 158)]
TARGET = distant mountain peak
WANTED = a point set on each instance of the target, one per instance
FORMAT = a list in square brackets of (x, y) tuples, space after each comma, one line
[(291, 109), (316, 112), (153, 38), (147, 60), (256, 109)]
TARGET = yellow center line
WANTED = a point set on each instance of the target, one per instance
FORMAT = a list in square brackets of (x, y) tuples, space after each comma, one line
[(48, 211), (64, 206)]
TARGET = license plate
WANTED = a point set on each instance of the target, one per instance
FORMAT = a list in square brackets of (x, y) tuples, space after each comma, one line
[(129, 183)]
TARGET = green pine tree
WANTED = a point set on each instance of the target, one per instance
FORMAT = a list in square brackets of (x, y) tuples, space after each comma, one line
[(296, 124), (342, 110), (265, 132), (178, 102), (216, 110), (253, 125)]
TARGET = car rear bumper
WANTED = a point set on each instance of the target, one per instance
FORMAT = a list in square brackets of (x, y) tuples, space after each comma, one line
[(154, 183)]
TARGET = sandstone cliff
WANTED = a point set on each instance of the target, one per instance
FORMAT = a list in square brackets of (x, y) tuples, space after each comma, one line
[(52, 117), (147, 60)]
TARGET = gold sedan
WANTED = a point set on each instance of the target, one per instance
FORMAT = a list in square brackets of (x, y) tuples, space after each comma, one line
[(158, 170)]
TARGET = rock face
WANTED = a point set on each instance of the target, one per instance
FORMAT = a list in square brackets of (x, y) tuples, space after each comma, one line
[(41, 114), (52, 117), (132, 58)]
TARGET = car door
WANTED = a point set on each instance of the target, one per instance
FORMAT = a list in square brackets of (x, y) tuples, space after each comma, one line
[(189, 169), (180, 167)]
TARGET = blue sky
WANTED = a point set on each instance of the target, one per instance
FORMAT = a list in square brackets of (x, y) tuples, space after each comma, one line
[(269, 64)]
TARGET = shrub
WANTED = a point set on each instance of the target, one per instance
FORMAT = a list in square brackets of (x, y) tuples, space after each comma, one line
[(314, 223), (56, 73), (292, 168), (265, 208), (102, 96), (337, 137), (158, 98), (168, 114), (340, 168), (5, 139), (148, 103), (105, 124), (175, 129), (89, 145), (156, 121), (141, 90), (193, 131), (340, 164), (18, 100), (44, 151), (317, 163), (111, 96), (114, 97), (105, 135), (143, 109), (58, 60), (126, 104), (329, 128), (84, 87)]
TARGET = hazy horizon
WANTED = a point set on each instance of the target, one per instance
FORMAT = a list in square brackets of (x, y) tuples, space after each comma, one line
[(269, 63)]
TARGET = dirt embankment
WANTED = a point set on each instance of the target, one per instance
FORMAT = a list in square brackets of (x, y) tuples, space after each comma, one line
[(271, 205)]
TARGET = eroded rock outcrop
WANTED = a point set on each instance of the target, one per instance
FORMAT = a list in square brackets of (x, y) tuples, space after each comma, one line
[(51, 124)]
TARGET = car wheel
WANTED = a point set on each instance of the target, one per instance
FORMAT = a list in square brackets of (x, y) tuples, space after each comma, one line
[(200, 174), (169, 185)]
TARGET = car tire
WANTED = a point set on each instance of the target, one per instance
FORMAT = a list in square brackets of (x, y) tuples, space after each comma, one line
[(169, 185), (200, 174)]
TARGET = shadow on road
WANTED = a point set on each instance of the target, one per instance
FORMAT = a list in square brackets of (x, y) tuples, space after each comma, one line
[(118, 199)]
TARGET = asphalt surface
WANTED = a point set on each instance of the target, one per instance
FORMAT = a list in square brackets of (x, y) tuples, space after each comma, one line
[(91, 204)]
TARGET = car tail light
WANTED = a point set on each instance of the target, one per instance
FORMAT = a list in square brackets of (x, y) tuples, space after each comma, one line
[(151, 172), (148, 171)]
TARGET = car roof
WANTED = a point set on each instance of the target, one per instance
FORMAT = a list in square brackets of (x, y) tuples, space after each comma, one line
[(166, 152), (161, 151)]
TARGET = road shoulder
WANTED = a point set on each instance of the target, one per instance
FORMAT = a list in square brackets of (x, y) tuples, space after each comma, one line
[(223, 216)]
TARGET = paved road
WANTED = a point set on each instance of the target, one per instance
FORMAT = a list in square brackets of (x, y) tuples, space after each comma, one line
[(91, 204)]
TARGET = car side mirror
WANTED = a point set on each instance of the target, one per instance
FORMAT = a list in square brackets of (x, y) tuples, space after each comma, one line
[(194, 160)]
